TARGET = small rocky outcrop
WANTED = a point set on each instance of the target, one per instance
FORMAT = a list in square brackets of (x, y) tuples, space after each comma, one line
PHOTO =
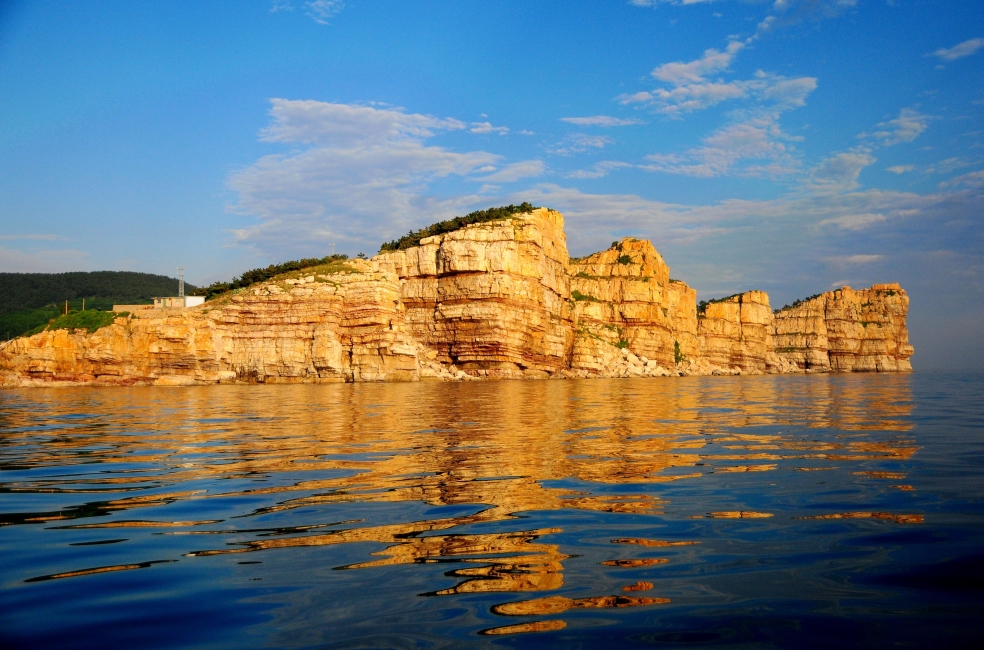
[(499, 299)]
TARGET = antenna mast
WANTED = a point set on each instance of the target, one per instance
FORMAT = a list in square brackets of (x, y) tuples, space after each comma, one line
[(181, 282)]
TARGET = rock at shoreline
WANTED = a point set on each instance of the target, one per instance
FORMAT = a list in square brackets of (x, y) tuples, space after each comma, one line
[(493, 300)]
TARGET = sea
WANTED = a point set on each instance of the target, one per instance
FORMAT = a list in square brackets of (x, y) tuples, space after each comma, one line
[(815, 511)]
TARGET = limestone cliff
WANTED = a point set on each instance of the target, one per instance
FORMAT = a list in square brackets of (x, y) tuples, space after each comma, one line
[(847, 330), (499, 299), (624, 297), (737, 332), (491, 299), (345, 326)]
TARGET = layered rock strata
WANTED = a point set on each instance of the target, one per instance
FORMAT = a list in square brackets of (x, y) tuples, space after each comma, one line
[(847, 330), (624, 296), (493, 300), (343, 327)]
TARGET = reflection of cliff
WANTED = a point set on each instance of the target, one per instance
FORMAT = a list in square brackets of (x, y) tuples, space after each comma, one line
[(498, 299), (481, 453)]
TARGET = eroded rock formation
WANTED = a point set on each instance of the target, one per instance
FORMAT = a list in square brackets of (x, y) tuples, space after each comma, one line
[(493, 300)]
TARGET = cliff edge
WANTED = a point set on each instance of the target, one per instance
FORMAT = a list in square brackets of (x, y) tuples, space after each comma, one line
[(499, 299)]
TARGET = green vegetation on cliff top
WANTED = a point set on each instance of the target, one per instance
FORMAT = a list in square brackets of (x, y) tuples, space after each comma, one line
[(413, 237), (90, 320), (331, 264), (30, 300)]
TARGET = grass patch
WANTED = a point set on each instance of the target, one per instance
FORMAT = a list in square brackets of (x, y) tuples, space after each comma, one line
[(413, 237), (622, 344), (90, 319), (577, 295), (255, 276)]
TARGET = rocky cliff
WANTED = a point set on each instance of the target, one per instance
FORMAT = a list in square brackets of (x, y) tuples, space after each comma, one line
[(499, 299), (847, 330)]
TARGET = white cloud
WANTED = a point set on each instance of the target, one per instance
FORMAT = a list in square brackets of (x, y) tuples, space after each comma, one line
[(905, 128), (357, 166), (655, 3), (901, 169), (728, 149), (345, 125), (689, 88), (853, 221), (855, 259), (949, 165), (840, 172), (600, 120), (959, 51), (973, 180), (579, 143), (599, 170), (321, 10), (486, 127), (515, 171), (679, 73)]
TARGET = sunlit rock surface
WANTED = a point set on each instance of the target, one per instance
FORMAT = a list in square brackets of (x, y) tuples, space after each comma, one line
[(492, 300), (847, 330)]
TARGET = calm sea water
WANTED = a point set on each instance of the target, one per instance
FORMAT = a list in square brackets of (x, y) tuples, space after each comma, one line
[(798, 512)]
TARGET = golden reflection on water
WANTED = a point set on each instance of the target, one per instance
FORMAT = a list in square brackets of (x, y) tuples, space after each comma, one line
[(498, 446)]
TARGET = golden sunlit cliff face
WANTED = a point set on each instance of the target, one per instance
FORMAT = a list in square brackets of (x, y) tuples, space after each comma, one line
[(492, 300)]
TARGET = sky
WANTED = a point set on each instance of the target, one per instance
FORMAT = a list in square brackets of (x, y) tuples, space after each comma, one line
[(791, 146)]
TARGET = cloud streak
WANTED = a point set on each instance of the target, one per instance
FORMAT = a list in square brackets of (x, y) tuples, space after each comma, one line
[(600, 120), (959, 51)]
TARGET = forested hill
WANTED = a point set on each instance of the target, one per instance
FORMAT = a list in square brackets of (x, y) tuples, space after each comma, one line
[(28, 300), (19, 291)]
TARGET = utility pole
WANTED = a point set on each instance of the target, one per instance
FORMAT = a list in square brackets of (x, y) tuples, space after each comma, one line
[(181, 282), (333, 248), (83, 303)]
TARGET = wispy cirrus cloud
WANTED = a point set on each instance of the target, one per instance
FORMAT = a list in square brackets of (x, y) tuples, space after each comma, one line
[(960, 50), (901, 169), (317, 10), (905, 128), (840, 172), (755, 146), (853, 260), (486, 127), (516, 171), (350, 166), (579, 143), (600, 120), (600, 169)]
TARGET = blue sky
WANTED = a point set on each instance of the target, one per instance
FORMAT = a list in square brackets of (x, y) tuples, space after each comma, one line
[(791, 146)]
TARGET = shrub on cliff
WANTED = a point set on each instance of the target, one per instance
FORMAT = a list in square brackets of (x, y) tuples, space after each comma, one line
[(255, 276), (702, 305), (796, 303), (413, 237)]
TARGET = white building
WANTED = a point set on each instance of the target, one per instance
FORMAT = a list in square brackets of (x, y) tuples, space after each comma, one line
[(179, 301)]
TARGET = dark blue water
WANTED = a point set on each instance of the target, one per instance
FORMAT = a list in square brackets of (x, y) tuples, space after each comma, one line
[(759, 512)]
